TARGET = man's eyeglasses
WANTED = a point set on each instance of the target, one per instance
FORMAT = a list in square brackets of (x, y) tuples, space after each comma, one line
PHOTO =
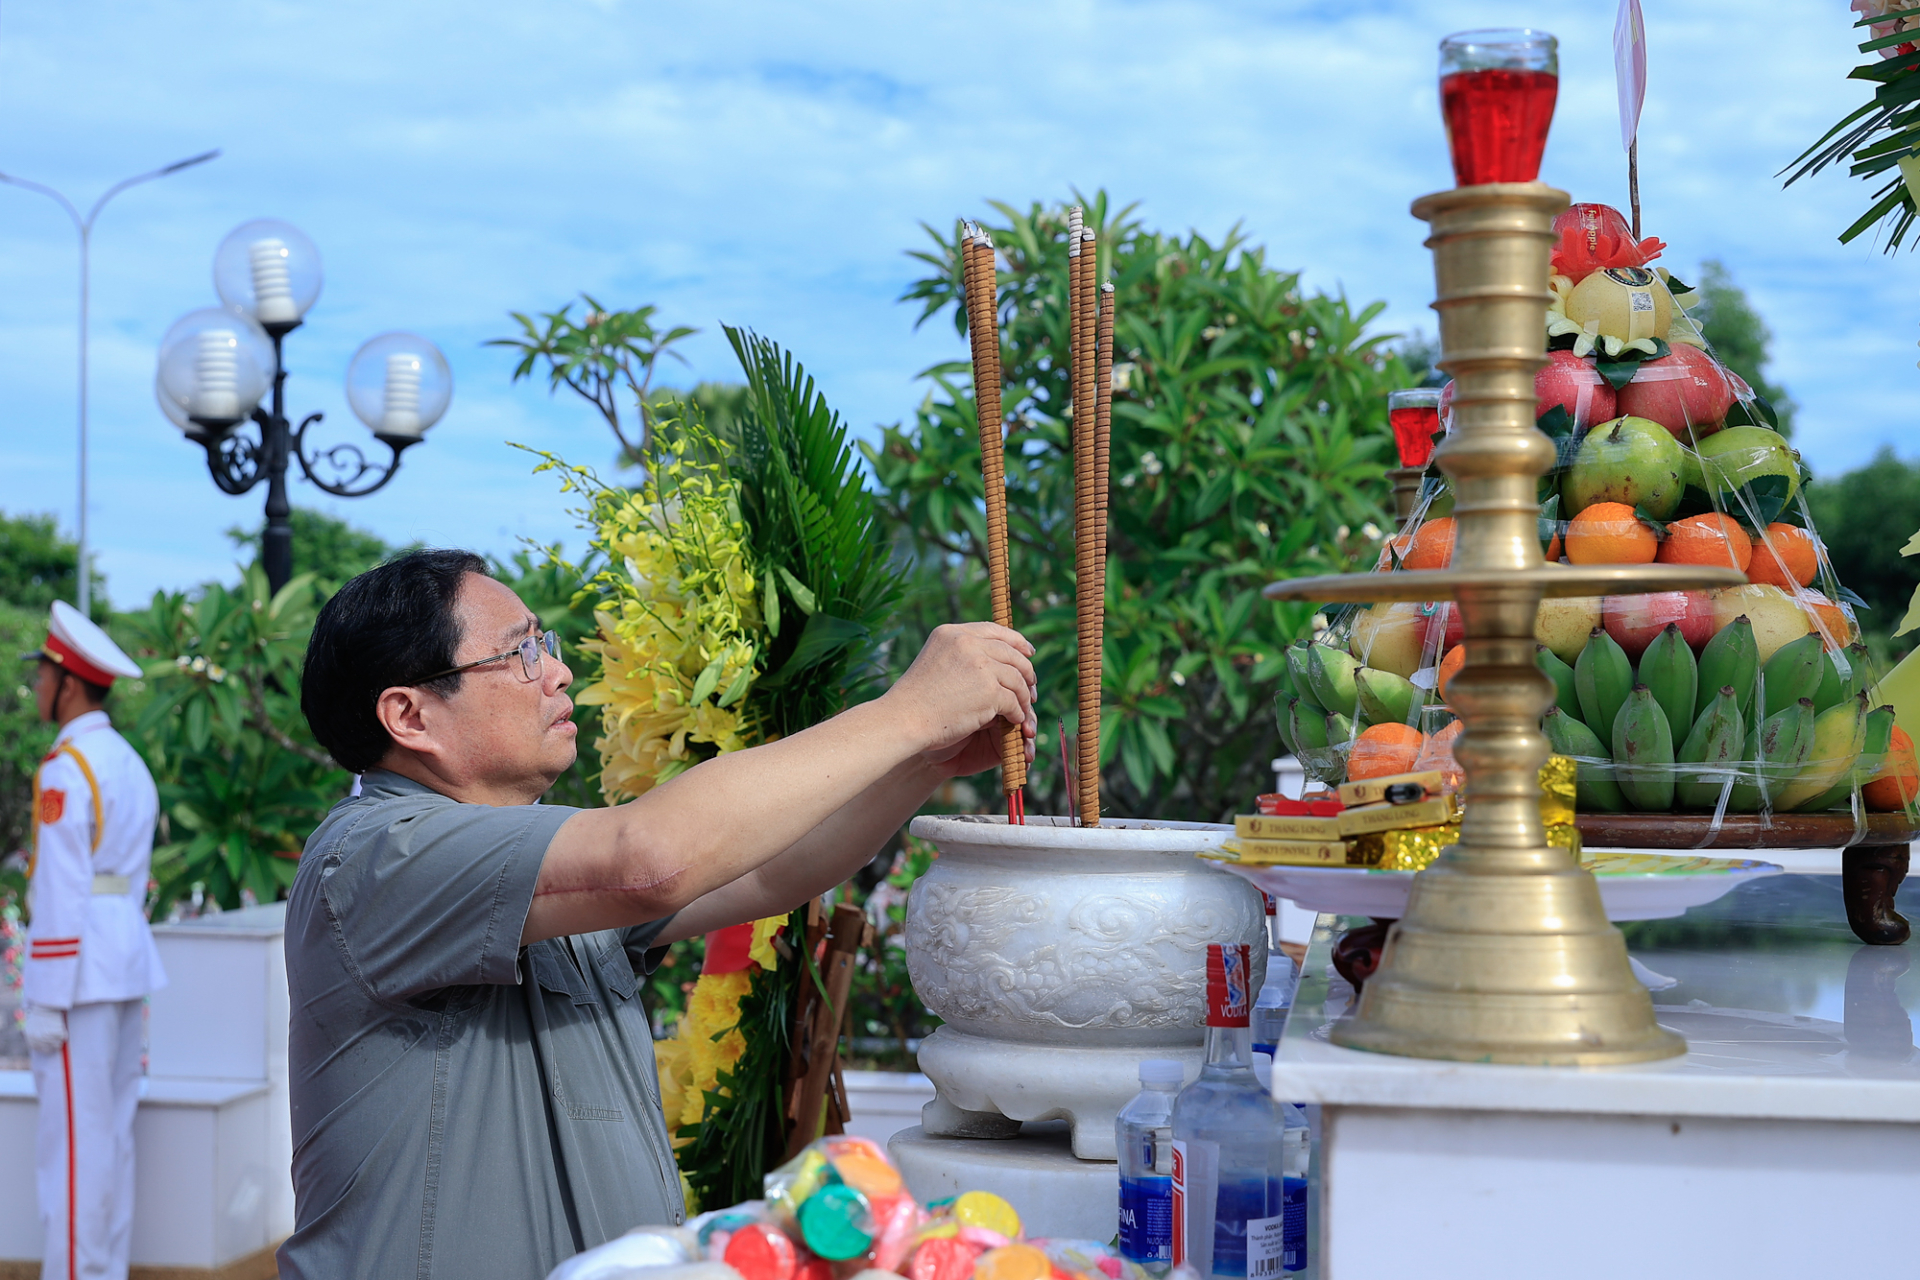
[(528, 650)]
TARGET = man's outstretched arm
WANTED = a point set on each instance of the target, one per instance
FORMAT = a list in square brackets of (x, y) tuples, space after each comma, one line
[(822, 796)]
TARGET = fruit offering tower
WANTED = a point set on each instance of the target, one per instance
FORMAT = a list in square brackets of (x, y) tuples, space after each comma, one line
[(1750, 698)]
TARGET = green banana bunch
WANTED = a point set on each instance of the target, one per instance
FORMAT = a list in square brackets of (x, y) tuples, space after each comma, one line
[(1859, 668), (1594, 789), (1330, 674), (1643, 752), (1875, 740), (1283, 716), (1714, 744), (1732, 657), (1775, 749), (1308, 724), (1602, 678), (1564, 695), (1833, 685), (1841, 676), (1340, 730), (1297, 660), (1793, 672), (1668, 670), (1386, 698), (1839, 735)]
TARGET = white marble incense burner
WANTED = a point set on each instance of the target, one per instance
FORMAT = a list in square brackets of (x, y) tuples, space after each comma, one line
[(1059, 956)]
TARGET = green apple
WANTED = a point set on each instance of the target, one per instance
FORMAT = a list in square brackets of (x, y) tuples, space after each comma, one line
[(1741, 455), (1632, 460)]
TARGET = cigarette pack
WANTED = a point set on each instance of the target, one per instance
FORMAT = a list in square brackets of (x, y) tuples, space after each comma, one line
[(1374, 790), (1258, 826), (1439, 811), (1300, 853)]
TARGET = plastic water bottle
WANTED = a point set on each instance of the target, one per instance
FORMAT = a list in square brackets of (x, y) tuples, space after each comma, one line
[(1235, 1214), (1276, 1000), (1144, 1133)]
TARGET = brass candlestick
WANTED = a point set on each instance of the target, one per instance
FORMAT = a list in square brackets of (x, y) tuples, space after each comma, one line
[(1505, 953)]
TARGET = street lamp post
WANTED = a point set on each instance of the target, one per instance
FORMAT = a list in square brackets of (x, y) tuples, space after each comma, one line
[(84, 225), (217, 363)]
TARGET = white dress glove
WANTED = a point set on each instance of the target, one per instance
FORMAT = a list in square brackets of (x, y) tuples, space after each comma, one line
[(46, 1028)]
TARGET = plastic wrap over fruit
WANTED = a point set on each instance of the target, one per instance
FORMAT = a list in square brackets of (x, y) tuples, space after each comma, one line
[(843, 1199), (645, 1253)]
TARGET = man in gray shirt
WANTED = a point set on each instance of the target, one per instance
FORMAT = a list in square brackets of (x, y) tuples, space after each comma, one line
[(472, 1072)]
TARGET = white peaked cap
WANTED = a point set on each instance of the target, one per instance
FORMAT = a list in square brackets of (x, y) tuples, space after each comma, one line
[(74, 642)]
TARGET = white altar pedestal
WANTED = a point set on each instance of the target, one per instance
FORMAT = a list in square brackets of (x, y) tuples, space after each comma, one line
[(213, 1190), (1786, 1142), (1056, 1193)]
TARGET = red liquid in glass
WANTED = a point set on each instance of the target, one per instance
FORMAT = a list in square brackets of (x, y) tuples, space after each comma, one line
[(1413, 432), (1497, 123)]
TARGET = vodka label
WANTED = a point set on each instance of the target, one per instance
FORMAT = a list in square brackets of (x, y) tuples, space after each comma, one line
[(1229, 984), (1267, 1248)]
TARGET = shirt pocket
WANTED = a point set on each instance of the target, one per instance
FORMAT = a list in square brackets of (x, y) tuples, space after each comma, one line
[(616, 970), (578, 1075)]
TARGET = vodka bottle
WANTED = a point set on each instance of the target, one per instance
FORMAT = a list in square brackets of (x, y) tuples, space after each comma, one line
[(1144, 1134), (1230, 1160)]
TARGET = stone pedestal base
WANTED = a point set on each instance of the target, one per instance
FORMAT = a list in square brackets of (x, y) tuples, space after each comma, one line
[(1056, 1194)]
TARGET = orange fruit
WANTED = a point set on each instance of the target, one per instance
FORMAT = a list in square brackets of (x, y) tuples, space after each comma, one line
[(1396, 546), (1432, 546), (1609, 533), (1710, 539), (1825, 614), (1784, 556), (1450, 666), (1383, 749), (1897, 781)]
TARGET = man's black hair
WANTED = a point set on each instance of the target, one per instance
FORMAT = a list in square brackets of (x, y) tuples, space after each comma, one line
[(389, 626)]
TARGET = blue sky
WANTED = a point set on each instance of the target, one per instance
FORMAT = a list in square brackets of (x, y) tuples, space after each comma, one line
[(768, 165)]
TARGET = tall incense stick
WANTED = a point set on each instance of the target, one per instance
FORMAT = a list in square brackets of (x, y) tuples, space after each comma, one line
[(983, 330), (1083, 255), (1103, 421)]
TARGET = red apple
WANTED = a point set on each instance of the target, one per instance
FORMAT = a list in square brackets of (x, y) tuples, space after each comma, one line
[(1688, 388), (1577, 386), (1446, 406), (1633, 621)]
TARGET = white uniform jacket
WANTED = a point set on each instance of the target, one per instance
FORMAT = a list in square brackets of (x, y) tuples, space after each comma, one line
[(94, 812)]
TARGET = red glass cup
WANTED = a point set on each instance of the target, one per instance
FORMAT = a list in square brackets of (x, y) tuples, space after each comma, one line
[(1497, 90), (1415, 416)]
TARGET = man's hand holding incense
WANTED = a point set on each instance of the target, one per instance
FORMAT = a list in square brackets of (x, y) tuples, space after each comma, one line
[(968, 683), (755, 833)]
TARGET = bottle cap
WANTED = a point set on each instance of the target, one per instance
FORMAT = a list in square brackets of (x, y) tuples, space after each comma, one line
[(1163, 1071), (984, 1209)]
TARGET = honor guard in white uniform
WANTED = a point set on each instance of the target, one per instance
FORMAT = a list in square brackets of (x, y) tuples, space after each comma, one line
[(90, 956)]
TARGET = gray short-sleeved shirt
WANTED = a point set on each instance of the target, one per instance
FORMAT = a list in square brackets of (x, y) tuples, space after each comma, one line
[(462, 1106)]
